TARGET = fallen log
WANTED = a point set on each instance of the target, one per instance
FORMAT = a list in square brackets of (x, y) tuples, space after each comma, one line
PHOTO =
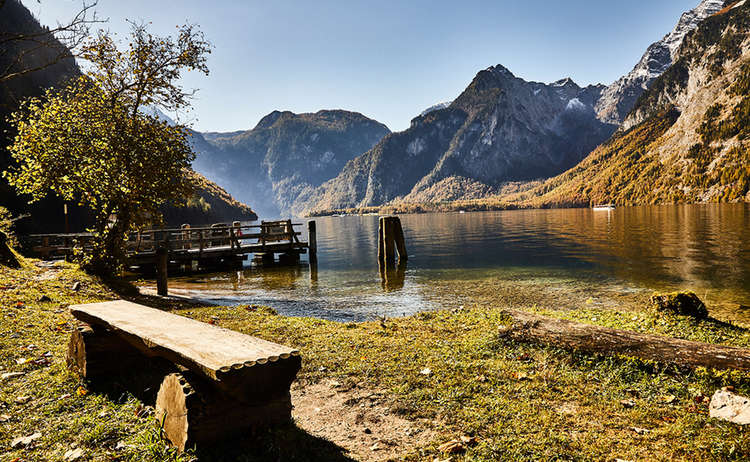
[(528, 327)]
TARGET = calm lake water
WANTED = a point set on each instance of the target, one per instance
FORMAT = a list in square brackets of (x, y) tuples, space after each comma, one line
[(553, 258)]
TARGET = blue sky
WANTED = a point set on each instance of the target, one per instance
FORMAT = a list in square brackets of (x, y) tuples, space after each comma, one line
[(386, 59)]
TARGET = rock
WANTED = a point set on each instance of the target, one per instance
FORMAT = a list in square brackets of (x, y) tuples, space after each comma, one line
[(627, 403), (426, 371), (4, 418), (641, 431), (682, 303), (23, 441), (44, 298), (11, 375), (367, 431), (731, 407), (73, 454), (76, 286)]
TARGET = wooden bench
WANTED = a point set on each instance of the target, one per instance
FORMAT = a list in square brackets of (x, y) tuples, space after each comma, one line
[(225, 382)]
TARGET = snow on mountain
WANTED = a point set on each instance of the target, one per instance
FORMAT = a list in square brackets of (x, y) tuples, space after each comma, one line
[(619, 98), (436, 107), (156, 112)]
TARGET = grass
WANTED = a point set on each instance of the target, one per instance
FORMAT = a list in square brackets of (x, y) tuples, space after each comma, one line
[(522, 402)]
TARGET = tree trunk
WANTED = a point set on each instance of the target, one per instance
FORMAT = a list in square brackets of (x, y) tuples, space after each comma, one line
[(529, 327)]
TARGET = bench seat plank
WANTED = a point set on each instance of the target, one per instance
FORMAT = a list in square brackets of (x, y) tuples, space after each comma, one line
[(215, 352)]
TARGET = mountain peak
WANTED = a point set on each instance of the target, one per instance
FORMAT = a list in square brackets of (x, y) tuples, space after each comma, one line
[(566, 82), (619, 98), (499, 69), (272, 117)]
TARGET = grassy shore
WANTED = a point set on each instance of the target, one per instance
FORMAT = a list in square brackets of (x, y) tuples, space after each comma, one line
[(449, 368)]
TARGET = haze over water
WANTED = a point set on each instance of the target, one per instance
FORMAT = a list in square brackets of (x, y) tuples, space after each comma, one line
[(558, 259)]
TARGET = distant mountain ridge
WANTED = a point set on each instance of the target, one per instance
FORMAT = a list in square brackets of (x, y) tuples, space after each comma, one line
[(501, 128), (285, 155)]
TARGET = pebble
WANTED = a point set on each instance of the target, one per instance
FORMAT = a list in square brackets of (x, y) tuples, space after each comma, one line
[(24, 441), (73, 454)]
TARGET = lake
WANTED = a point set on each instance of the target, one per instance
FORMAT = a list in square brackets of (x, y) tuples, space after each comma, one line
[(558, 259)]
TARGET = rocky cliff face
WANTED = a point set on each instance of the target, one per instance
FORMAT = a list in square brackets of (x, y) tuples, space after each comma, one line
[(688, 138), (285, 156), (619, 98), (501, 128)]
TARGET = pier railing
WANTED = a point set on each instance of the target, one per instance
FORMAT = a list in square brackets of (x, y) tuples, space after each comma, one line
[(185, 242)]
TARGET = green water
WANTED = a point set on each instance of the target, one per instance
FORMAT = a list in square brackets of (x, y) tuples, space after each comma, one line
[(553, 258)]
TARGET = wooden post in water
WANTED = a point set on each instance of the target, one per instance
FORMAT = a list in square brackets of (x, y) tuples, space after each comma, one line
[(390, 236), (162, 254), (400, 243), (312, 241)]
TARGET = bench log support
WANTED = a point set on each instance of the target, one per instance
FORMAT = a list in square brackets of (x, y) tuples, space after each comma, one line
[(194, 411), (98, 353)]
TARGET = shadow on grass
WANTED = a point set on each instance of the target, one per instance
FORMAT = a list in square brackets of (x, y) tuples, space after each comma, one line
[(283, 443), (126, 290)]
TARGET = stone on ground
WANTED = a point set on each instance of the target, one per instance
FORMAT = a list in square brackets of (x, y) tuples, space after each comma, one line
[(729, 406)]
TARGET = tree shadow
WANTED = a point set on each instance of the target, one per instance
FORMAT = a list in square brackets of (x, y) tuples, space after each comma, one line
[(286, 442)]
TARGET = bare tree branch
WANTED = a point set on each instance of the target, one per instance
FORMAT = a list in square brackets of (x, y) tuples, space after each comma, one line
[(54, 45)]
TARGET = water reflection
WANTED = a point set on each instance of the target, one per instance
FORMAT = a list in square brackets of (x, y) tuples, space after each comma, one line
[(392, 277), (705, 248)]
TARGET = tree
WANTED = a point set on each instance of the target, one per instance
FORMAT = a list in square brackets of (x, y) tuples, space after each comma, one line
[(91, 142)]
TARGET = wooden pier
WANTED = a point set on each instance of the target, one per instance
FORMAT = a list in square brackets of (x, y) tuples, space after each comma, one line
[(220, 245)]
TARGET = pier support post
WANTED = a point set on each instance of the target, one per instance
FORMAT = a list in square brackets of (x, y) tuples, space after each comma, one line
[(161, 269), (391, 236), (312, 241), (400, 243)]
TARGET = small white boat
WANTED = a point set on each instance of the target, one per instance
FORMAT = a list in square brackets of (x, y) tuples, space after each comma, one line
[(604, 207)]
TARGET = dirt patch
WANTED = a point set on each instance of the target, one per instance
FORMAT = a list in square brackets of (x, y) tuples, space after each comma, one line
[(357, 420)]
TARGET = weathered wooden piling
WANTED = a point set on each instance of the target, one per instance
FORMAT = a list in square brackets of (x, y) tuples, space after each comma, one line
[(162, 260), (312, 241), (390, 237)]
